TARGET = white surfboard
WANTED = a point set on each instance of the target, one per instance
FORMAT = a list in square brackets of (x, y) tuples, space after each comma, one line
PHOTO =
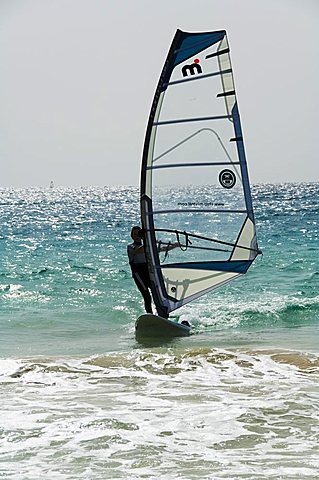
[(149, 325)]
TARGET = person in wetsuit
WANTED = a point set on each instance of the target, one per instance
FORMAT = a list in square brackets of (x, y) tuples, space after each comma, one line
[(137, 261)]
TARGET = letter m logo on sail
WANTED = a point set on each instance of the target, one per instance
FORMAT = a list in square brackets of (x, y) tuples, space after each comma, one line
[(192, 69)]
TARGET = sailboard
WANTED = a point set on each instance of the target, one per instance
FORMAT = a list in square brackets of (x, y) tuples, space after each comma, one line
[(148, 325), (195, 193)]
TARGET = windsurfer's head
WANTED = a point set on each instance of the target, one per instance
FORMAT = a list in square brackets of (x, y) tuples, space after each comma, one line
[(136, 233)]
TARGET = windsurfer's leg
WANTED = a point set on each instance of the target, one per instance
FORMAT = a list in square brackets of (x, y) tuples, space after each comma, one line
[(144, 291), (144, 276), (147, 301)]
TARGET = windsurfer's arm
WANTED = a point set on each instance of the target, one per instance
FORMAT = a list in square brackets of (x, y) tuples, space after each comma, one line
[(168, 247)]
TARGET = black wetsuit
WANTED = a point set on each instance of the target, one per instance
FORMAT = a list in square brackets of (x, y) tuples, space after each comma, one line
[(140, 273)]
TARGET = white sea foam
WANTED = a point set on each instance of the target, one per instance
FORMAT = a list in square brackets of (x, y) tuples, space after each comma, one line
[(213, 312), (163, 414)]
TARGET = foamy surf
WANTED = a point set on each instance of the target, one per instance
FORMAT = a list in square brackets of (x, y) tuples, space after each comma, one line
[(162, 413)]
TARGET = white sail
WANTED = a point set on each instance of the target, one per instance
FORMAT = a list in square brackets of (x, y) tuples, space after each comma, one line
[(194, 181)]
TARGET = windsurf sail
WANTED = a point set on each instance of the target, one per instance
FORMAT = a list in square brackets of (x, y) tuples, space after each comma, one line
[(196, 205)]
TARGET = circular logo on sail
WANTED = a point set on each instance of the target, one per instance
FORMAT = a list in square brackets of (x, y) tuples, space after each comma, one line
[(227, 178)]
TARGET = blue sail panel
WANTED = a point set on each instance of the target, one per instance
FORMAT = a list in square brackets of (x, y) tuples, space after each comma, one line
[(193, 43)]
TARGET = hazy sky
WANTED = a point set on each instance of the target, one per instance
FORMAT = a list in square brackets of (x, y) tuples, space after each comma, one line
[(78, 77)]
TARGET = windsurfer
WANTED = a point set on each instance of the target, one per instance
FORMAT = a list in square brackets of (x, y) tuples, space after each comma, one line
[(138, 264), (137, 261)]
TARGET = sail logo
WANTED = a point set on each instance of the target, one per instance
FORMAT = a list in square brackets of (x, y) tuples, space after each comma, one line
[(227, 178), (192, 69)]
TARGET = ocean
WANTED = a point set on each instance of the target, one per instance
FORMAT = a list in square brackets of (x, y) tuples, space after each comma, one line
[(81, 398)]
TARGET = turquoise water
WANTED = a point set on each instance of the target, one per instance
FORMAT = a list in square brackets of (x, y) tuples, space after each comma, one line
[(81, 398)]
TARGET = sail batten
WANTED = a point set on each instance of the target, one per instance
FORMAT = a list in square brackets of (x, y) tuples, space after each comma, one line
[(193, 210), (195, 119), (197, 164), (194, 189), (221, 52)]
